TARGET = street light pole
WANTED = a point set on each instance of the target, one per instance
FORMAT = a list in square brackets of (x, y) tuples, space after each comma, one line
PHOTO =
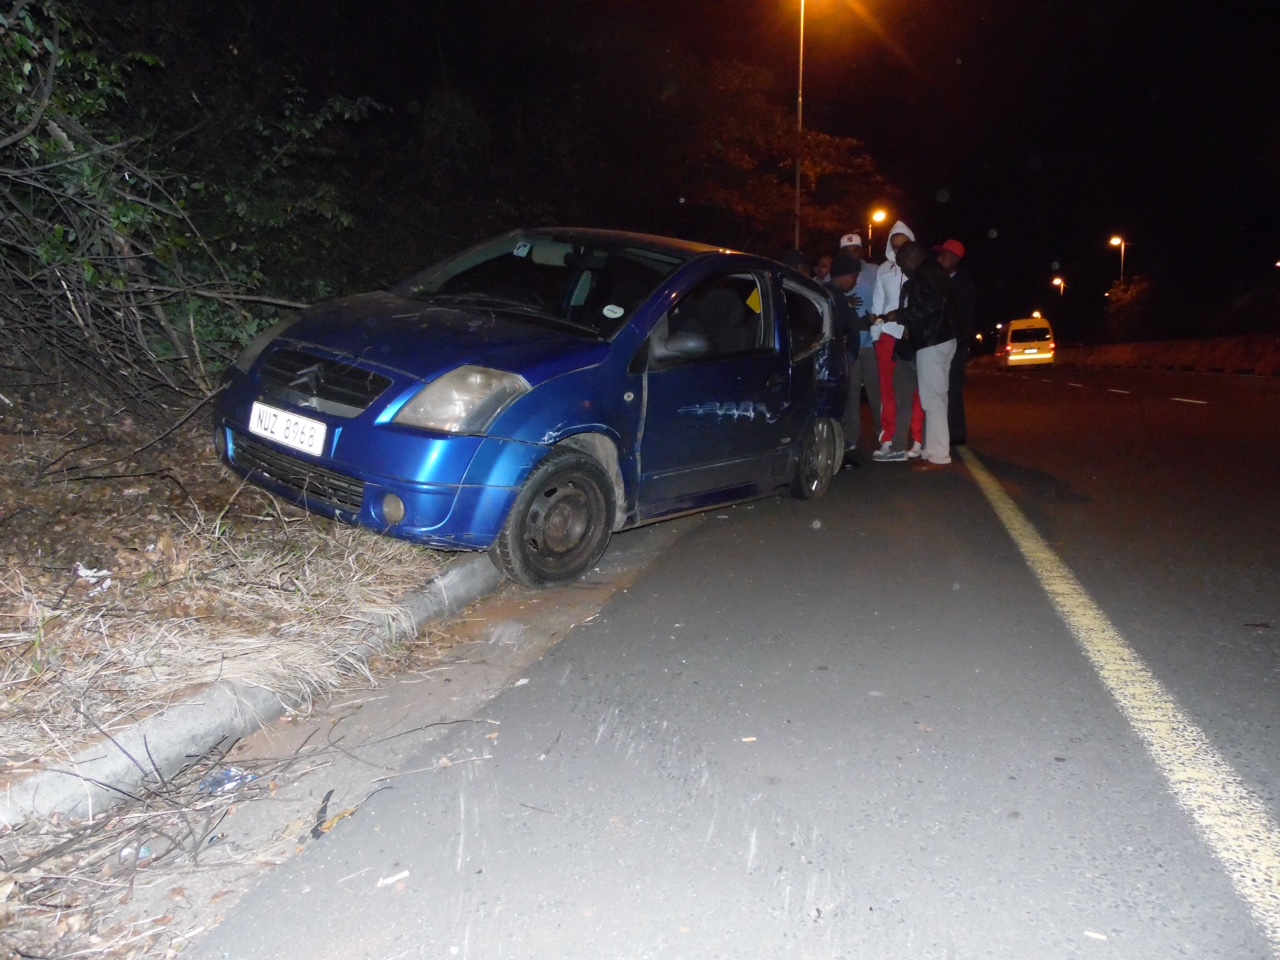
[(799, 124), (1061, 285), (877, 217), (1119, 242)]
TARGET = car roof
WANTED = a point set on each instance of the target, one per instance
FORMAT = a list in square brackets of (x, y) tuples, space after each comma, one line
[(684, 249), (1031, 321)]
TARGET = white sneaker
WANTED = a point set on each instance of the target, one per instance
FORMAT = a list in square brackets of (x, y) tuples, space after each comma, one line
[(886, 454), (916, 451)]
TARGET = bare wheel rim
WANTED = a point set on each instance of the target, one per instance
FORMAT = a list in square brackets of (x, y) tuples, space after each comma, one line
[(821, 455), (559, 524)]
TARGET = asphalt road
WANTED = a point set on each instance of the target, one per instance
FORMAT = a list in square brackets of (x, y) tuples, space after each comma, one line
[(877, 725)]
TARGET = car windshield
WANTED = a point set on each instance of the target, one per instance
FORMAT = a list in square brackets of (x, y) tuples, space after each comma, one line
[(587, 286), (1029, 335)]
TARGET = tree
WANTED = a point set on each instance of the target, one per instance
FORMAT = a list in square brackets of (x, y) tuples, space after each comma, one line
[(1129, 307), (119, 272), (743, 163)]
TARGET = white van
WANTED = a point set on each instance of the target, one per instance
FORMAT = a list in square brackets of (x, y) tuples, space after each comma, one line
[(1024, 343)]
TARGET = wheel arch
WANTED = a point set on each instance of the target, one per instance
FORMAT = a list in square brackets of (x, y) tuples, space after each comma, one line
[(605, 452)]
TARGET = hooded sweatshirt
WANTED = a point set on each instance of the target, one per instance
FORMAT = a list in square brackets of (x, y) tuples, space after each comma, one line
[(889, 277)]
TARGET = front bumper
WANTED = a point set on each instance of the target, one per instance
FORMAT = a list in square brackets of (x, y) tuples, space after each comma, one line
[(454, 493)]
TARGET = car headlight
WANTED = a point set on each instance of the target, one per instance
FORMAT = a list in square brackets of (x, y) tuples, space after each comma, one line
[(259, 343), (465, 400)]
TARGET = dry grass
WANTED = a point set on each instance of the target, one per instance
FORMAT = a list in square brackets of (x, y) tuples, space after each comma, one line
[(134, 567), (68, 888), (287, 602)]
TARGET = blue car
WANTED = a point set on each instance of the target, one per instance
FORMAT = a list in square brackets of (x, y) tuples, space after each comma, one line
[(537, 392)]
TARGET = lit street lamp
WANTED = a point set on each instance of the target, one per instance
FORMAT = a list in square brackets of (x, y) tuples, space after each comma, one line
[(877, 216), (1119, 242), (799, 124), (1061, 285)]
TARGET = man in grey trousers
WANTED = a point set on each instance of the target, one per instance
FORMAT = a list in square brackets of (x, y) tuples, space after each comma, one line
[(928, 314)]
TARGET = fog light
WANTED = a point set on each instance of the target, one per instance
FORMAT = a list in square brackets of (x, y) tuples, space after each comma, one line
[(392, 508)]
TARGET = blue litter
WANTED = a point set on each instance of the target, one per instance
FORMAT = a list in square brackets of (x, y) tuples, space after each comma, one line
[(228, 780)]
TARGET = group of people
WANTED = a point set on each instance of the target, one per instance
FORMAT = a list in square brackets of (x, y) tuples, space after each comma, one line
[(908, 323)]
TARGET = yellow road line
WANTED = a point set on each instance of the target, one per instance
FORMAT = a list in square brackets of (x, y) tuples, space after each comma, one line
[(1230, 818)]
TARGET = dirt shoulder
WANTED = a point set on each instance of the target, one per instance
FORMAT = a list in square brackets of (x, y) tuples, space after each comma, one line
[(135, 567)]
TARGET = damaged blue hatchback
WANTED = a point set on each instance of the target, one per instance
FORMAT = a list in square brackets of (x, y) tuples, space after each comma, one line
[(534, 394)]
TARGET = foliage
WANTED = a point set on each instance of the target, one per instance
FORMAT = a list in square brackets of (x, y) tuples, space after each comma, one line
[(745, 160), (122, 274), (1129, 310)]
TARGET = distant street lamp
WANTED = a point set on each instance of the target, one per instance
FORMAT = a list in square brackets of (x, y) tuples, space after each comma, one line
[(1119, 242), (877, 216), (1061, 285), (799, 124)]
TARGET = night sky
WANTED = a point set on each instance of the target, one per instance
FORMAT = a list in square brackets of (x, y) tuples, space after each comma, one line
[(1032, 130)]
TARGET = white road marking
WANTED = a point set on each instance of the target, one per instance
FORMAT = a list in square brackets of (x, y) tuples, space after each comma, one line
[(1075, 384), (1229, 817), (1185, 400), (1114, 390)]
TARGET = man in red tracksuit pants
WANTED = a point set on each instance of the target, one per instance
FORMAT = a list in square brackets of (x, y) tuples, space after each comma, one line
[(888, 291)]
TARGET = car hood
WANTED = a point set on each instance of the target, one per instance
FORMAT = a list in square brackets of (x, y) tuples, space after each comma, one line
[(424, 341)]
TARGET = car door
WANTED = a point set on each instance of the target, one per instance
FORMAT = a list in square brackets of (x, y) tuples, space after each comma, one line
[(816, 388), (717, 398)]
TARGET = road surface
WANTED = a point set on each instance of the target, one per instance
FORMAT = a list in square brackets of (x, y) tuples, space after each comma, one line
[(1026, 708)]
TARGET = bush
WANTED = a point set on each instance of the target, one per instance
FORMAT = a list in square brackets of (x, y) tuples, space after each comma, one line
[(123, 275)]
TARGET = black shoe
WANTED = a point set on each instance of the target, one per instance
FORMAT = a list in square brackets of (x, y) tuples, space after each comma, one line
[(851, 460)]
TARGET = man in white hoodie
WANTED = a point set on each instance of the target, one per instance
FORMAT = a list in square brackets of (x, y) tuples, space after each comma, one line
[(887, 297)]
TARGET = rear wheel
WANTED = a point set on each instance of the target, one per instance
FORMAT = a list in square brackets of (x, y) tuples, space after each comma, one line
[(819, 459), (561, 522)]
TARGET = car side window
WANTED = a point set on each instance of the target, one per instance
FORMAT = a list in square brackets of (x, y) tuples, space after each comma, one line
[(721, 317), (806, 320)]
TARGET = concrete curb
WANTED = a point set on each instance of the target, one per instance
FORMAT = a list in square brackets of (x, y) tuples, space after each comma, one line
[(157, 747)]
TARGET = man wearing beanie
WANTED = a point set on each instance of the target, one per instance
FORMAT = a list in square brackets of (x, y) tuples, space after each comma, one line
[(845, 269), (865, 372)]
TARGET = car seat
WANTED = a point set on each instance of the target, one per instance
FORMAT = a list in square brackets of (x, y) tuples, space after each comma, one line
[(721, 317)]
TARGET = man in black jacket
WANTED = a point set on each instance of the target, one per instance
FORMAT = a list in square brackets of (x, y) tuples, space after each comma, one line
[(927, 312)]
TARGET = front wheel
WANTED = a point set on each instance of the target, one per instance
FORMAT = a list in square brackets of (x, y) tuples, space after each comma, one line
[(819, 459), (561, 522)]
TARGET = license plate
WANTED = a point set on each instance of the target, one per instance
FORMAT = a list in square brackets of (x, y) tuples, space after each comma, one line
[(1031, 350), (294, 431)]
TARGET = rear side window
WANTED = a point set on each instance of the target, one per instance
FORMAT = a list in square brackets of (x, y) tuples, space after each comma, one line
[(806, 320), (1030, 335)]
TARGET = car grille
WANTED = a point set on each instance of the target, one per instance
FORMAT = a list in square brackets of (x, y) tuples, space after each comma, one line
[(317, 482), (330, 385)]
